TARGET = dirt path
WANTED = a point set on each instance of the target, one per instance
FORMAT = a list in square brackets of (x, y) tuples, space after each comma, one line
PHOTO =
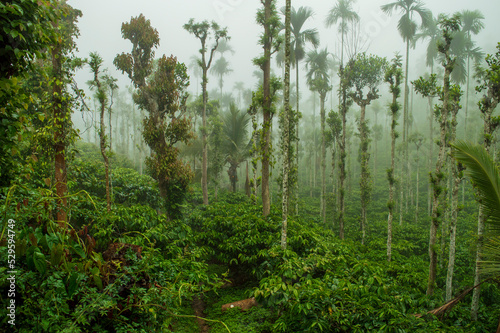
[(199, 307)]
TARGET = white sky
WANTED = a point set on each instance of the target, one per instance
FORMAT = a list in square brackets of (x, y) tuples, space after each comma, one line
[(102, 19)]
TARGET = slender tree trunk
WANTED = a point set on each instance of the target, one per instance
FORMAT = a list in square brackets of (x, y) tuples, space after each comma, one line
[(323, 157), (431, 146), (286, 129), (102, 141), (266, 124), (297, 138), (365, 173), (342, 171), (60, 124), (204, 163), (438, 177)]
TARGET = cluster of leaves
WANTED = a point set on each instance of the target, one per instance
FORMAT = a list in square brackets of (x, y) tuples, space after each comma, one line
[(129, 270)]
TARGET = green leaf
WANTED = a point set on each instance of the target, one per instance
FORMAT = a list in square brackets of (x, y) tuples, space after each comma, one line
[(39, 261), (72, 284)]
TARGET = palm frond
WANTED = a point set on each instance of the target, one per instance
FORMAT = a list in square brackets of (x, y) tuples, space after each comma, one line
[(485, 176)]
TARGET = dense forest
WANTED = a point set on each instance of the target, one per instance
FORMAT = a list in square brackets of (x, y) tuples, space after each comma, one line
[(341, 193)]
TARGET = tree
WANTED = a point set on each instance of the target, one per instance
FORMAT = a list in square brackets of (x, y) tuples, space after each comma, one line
[(26, 31), (216, 140), (100, 83), (318, 80), (364, 73), (286, 128), (489, 85), (427, 87), (270, 41), (343, 12), (161, 92), (236, 145), (407, 28), (298, 41), (393, 76), (62, 101), (164, 98), (221, 68), (457, 173), (472, 24), (205, 32)]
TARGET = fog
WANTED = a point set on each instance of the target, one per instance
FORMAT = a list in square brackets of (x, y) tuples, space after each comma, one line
[(101, 23)]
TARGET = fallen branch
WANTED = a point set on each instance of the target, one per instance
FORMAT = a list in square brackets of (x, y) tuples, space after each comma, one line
[(441, 311)]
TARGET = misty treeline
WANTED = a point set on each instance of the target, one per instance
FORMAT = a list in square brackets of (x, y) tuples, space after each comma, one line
[(358, 199)]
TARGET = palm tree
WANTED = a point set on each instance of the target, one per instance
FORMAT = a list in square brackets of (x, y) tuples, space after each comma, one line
[(472, 23), (318, 80), (221, 69), (299, 39), (194, 65), (240, 87), (224, 47), (407, 28), (342, 11), (431, 32), (237, 145)]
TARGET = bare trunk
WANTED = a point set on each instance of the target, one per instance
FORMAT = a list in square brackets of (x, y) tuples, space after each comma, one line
[(286, 129), (204, 163), (323, 157), (365, 174), (266, 124)]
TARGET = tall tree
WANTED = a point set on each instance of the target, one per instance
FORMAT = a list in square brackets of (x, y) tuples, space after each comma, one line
[(363, 75), (448, 26), (472, 24), (60, 53), (206, 32), (101, 83), (457, 174), (393, 76), (407, 27), (344, 13), (286, 128), (489, 85), (268, 18), (432, 32), (221, 68), (26, 31), (299, 38), (318, 80)]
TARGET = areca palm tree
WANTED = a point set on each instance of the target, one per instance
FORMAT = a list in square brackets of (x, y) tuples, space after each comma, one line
[(221, 68), (407, 27), (237, 145), (472, 24), (299, 39), (317, 64), (432, 33), (344, 13)]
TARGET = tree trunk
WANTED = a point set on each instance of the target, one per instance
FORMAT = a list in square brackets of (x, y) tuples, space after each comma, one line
[(266, 124), (365, 173), (286, 129), (102, 142), (342, 173), (438, 177), (204, 163), (297, 138), (323, 157), (60, 123)]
